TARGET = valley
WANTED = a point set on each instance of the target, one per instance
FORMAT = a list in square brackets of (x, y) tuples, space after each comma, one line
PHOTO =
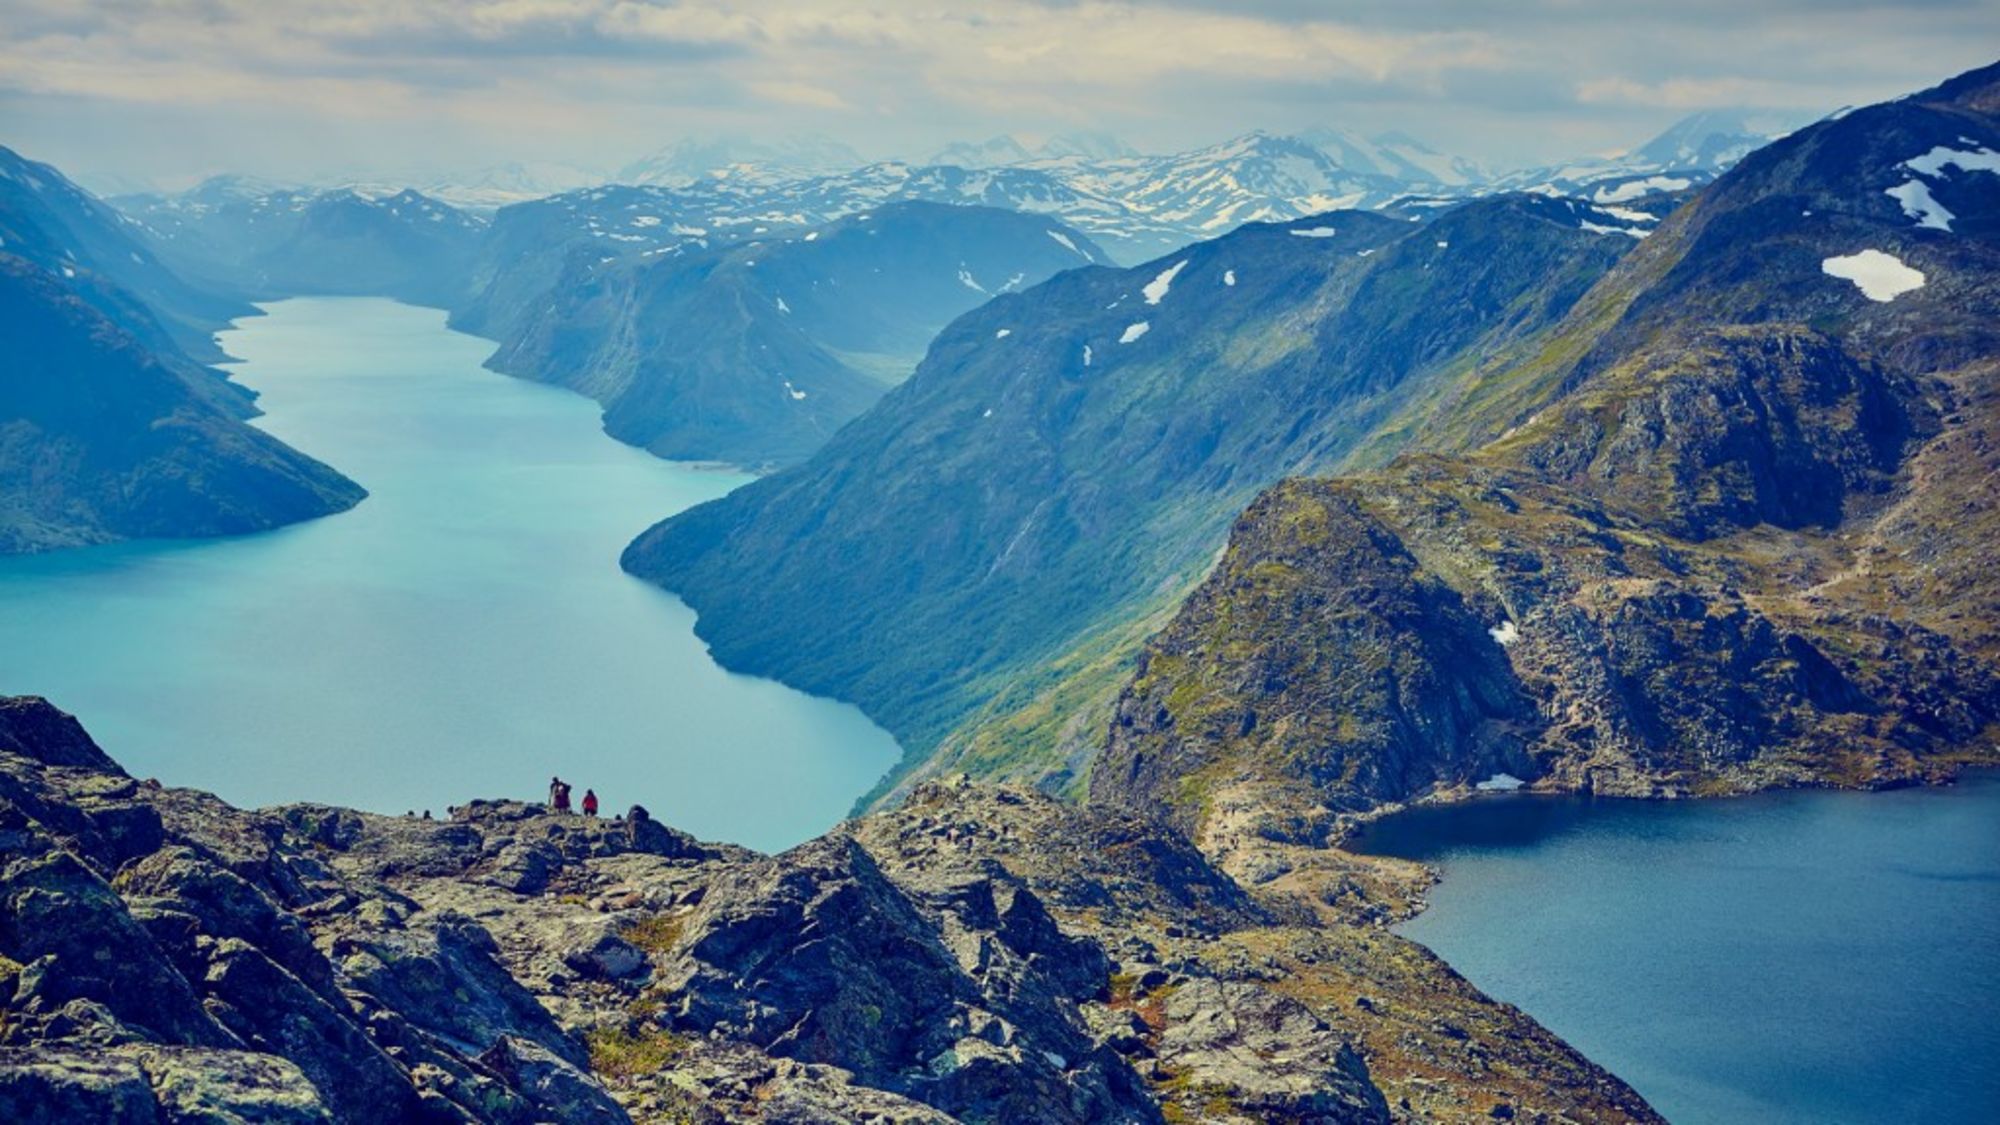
[(1041, 621), (471, 602)]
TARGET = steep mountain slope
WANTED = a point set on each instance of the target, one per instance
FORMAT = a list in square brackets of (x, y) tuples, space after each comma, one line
[(1068, 458), (1728, 525), (980, 955), (50, 221), (101, 440), (301, 242), (755, 354)]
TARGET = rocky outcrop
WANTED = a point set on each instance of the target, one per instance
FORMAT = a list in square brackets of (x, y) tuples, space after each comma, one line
[(208, 961), (960, 993), (978, 955), (1772, 424), (1329, 648)]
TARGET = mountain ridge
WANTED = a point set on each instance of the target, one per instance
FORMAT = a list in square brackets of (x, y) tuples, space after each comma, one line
[(1667, 562)]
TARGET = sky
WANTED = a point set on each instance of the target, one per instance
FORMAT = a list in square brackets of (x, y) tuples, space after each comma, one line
[(166, 91)]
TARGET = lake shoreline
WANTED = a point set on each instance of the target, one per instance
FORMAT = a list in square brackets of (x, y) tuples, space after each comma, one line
[(1562, 944), (465, 631)]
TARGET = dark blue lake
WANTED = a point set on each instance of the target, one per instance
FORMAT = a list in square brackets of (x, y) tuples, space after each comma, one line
[(1808, 957)]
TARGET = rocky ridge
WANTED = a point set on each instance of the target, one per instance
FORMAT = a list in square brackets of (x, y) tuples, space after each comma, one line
[(1721, 529), (980, 954)]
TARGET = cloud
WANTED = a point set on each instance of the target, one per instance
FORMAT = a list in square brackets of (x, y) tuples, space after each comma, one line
[(577, 79), (800, 94)]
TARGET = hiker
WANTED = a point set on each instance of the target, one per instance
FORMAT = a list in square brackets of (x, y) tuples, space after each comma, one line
[(559, 794), (590, 802)]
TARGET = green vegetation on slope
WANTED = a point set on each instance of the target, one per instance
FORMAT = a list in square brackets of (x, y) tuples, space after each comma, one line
[(972, 560)]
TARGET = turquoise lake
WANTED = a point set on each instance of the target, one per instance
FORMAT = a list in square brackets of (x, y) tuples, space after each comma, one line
[(1813, 958), (464, 632)]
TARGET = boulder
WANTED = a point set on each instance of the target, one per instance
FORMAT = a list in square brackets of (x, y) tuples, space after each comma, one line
[(33, 727), (557, 1087)]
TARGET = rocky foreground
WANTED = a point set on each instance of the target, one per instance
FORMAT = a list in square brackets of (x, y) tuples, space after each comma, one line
[(980, 955)]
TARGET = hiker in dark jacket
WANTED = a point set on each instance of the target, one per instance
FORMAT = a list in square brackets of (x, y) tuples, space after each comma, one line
[(559, 794)]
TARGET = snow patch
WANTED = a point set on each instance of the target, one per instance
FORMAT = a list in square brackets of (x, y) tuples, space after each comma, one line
[(782, 306), (1156, 289), (1442, 244), (1879, 276), (966, 279), (812, 236), (1915, 196), (1505, 633), (1934, 162), (1635, 189), (1134, 331), (1003, 333), (1086, 355), (1600, 228), (1314, 232), (1229, 277), (796, 393), (1067, 243), (1500, 783)]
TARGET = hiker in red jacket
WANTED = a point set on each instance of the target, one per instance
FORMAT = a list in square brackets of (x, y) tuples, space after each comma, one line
[(590, 802)]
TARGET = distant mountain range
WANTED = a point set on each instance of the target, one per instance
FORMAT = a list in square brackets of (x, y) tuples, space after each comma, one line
[(1134, 205), (1009, 149), (754, 353), (265, 241), (1137, 206), (688, 162)]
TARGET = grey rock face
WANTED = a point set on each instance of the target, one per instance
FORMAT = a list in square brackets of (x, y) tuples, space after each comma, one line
[(961, 994), (1273, 1057), (206, 965)]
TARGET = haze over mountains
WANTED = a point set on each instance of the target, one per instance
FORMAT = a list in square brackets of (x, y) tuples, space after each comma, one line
[(1136, 204)]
